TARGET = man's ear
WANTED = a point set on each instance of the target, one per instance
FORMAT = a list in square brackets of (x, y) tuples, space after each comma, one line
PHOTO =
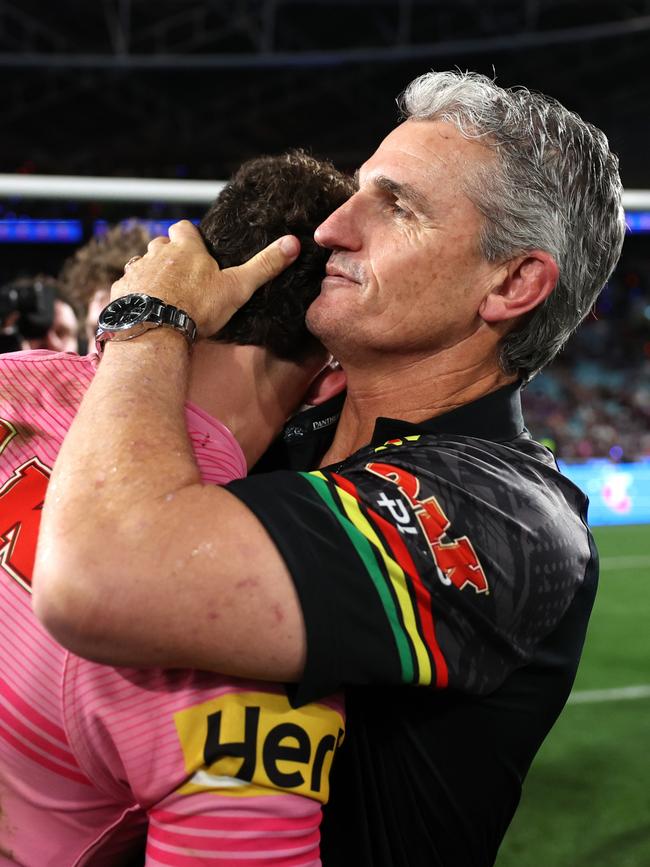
[(329, 382), (529, 280)]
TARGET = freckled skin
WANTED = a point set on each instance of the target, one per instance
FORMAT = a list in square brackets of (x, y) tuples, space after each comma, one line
[(248, 583)]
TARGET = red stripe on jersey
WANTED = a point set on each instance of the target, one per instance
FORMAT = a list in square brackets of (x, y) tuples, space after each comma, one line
[(209, 843), (36, 740), (36, 718), (256, 822), (41, 760), (401, 554), (155, 855)]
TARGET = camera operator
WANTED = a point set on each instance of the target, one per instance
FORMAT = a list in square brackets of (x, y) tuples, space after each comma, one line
[(35, 315)]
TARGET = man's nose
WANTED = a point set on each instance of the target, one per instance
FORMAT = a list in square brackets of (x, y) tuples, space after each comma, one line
[(339, 231)]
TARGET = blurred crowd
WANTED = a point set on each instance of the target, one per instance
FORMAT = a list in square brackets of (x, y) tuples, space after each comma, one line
[(60, 314), (593, 401)]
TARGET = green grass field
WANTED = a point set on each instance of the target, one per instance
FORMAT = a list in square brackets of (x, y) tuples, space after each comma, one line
[(586, 801)]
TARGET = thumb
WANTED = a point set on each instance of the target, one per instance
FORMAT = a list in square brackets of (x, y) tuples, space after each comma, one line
[(264, 266)]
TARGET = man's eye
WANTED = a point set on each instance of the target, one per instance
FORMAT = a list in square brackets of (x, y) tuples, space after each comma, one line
[(400, 211)]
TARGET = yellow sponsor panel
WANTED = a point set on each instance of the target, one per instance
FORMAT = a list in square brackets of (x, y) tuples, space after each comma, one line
[(255, 743)]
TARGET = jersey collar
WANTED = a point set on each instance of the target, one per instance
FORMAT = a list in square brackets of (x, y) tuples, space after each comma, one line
[(496, 416)]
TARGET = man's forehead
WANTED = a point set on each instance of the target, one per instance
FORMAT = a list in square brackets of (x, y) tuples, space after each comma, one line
[(429, 156), (408, 147)]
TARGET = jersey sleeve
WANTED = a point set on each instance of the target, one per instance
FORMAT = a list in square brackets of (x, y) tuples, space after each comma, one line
[(217, 452), (440, 568)]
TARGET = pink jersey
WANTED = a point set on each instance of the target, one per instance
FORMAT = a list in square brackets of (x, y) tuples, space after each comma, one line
[(215, 771)]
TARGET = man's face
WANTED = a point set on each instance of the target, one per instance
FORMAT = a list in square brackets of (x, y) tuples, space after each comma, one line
[(98, 300), (62, 335), (406, 274)]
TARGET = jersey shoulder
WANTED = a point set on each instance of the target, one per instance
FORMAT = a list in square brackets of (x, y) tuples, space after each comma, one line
[(472, 471), (40, 392)]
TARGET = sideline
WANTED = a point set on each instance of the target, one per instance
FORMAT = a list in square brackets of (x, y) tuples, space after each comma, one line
[(629, 561), (626, 561), (623, 693)]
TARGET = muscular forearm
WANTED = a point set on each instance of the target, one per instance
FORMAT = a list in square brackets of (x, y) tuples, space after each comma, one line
[(125, 457), (138, 562)]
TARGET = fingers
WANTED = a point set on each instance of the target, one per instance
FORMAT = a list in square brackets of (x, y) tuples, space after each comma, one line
[(265, 265), (181, 272), (156, 243), (186, 234)]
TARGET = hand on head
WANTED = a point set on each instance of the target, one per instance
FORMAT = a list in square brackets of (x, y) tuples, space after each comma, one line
[(180, 271)]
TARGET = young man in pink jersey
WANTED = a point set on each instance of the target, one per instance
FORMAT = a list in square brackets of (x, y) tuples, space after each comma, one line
[(219, 770)]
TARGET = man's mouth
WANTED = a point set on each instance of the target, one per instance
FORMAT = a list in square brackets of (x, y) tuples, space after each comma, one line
[(334, 274)]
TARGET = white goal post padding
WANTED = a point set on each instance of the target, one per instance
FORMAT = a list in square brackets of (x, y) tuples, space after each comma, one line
[(72, 187)]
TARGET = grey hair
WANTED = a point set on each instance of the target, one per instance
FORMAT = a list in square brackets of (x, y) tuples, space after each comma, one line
[(555, 187)]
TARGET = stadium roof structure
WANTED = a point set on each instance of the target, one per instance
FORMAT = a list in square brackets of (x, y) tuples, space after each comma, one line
[(181, 88)]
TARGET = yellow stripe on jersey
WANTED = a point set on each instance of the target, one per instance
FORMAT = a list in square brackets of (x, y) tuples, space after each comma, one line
[(397, 578)]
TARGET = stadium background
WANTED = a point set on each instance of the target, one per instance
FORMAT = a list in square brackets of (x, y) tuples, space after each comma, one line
[(178, 89)]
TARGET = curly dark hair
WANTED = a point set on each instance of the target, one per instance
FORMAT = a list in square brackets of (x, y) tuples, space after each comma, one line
[(268, 197)]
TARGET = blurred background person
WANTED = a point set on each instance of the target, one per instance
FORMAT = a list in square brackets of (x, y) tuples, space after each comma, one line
[(36, 314), (87, 276), (89, 753)]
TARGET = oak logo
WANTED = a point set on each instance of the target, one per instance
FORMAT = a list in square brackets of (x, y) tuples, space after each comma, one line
[(21, 502), (255, 743), (455, 559)]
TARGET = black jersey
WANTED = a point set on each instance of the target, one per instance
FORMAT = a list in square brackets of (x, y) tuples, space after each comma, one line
[(446, 576)]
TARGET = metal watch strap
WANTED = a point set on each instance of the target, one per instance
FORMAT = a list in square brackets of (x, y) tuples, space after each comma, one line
[(167, 314)]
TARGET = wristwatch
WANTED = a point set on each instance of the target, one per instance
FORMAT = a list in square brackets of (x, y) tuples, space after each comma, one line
[(134, 314)]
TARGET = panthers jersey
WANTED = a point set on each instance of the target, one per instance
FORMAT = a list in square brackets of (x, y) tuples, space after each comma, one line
[(212, 770), (446, 575)]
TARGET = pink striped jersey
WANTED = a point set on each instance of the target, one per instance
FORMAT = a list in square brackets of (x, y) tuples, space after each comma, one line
[(212, 770)]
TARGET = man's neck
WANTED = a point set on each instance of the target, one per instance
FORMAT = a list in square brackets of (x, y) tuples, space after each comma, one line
[(410, 389), (248, 389)]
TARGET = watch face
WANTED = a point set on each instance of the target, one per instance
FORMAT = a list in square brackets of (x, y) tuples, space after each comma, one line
[(124, 312)]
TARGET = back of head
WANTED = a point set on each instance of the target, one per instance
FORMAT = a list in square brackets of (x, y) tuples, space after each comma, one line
[(268, 197), (554, 185), (100, 262)]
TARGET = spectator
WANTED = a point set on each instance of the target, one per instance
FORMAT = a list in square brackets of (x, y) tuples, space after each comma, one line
[(44, 318), (87, 276)]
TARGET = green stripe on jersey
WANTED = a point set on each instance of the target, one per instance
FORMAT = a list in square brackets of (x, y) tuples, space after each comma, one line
[(364, 549)]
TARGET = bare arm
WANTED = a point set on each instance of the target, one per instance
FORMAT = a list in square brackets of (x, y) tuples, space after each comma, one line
[(138, 562)]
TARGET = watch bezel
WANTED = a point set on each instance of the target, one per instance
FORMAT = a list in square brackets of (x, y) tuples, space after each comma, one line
[(154, 314), (127, 326)]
